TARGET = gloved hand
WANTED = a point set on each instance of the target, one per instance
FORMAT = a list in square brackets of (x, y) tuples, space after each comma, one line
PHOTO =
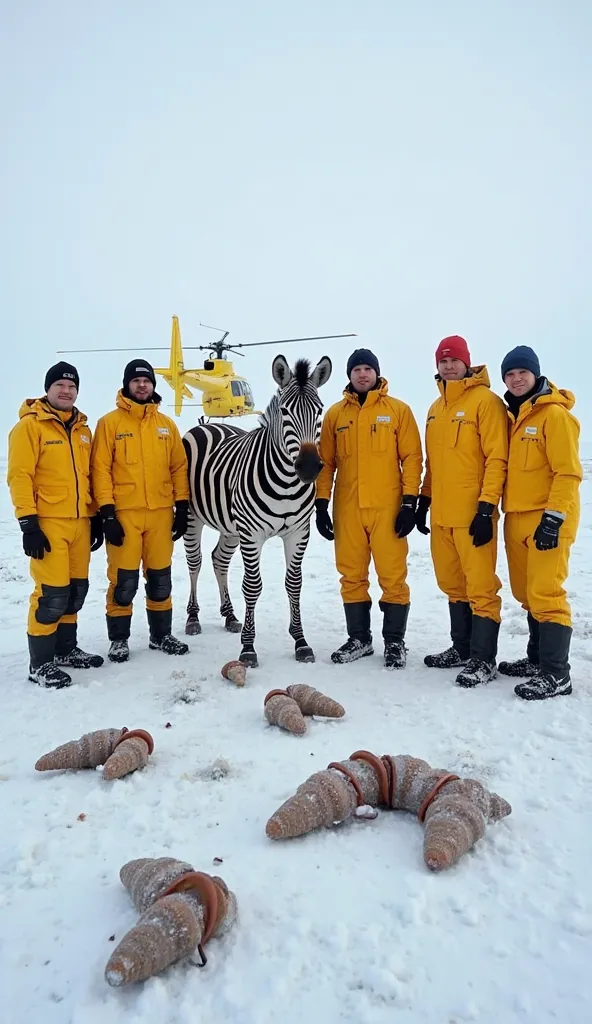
[(405, 521), (546, 535), (114, 532), (324, 524), (421, 514), (96, 532), (481, 528), (181, 519), (35, 543)]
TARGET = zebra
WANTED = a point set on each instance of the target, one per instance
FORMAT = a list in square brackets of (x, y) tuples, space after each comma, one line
[(253, 485)]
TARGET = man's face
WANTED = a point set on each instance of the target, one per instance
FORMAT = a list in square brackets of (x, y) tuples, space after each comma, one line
[(452, 369), (519, 382), (363, 378), (62, 395), (141, 389)]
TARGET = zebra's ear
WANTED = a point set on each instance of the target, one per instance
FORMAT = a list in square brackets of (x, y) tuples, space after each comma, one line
[(281, 372), (322, 371)]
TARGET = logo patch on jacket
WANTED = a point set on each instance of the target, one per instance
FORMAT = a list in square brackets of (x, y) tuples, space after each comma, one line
[(460, 414), (383, 419), (118, 437), (53, 442), (85, 438), (531, 430), (163, 430)]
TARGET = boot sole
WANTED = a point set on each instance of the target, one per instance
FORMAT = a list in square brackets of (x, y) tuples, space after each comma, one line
[(546, 696), (466, 685), (50, 686), (349, 661), (174, 654)]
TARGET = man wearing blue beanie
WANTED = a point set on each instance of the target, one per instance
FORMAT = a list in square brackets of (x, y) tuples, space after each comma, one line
[(542, 510), (371, 441)]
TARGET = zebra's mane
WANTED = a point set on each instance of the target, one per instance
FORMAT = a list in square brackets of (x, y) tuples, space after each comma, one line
[(301, 377)]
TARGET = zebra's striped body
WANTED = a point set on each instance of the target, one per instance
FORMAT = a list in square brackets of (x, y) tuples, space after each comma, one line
[(250, 486)]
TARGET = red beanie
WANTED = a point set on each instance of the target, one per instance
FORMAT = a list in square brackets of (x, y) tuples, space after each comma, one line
[(453, 347)]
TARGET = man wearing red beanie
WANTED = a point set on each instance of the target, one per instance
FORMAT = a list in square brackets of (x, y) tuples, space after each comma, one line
[(466, 465)]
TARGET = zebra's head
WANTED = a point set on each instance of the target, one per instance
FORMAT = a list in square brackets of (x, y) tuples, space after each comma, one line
[(300, 412)]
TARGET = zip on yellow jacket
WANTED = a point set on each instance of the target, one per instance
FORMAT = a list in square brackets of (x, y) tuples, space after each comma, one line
[(138, 460), (544, 469), (49, 463), (374, 448), (466, 443)]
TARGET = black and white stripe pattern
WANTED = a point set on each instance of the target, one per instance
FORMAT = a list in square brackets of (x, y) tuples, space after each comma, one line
[(250, 486)]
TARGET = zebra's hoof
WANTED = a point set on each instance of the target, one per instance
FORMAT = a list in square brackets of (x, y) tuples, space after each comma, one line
[(304, 654), (192, 627), (232, 625), (249, 658)]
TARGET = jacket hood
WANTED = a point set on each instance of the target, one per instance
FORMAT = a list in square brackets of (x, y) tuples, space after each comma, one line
[(547, 393), (38, 407), (478, 376), (381, 389)]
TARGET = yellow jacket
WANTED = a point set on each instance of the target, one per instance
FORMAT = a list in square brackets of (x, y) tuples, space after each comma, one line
[(375, 449), (466, 449), (48, 463), (138, 459), (544, 470)]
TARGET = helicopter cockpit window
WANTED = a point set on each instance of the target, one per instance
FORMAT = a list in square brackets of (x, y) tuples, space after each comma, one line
[(235, 386)]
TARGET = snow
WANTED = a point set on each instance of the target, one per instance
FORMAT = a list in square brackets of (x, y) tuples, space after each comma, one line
[(344, 925)]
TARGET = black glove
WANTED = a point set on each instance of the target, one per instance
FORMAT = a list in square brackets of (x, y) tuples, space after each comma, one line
[(114, 532), (481, 528), (96, 532), (324, 524), (405, 521), (35, 543), (181, 519), (421, 514), (546, 535)]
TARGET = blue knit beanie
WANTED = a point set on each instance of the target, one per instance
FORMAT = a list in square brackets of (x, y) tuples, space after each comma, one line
[(521, 358), (363, 357)]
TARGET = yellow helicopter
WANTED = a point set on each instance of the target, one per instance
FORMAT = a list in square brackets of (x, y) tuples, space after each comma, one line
[(225, 393)]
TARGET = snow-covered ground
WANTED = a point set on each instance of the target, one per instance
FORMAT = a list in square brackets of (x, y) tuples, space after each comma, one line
[(342, 925)]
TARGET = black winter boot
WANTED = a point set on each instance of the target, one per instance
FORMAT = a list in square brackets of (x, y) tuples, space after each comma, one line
[(553, 678), (528, 667), (394, 624), (161, 638), (481, 667), (42, 669), (461, 623), (67, 651), (118, 631), (359, 642)]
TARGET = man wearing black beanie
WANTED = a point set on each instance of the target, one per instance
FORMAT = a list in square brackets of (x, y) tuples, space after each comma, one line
[(49, 481), (541, 502), (371, 441), (139, 475)]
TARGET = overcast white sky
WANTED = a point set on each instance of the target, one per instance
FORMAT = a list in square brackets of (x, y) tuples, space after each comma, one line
[(405, 169)]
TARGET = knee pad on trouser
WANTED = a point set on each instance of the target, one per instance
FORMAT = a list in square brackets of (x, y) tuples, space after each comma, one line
[(158, 584), (78, 592), (51, 604), (126, 587)]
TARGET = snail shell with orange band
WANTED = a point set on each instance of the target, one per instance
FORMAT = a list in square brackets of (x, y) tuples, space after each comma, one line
[(120, 751), (454, 811), (181, 910)]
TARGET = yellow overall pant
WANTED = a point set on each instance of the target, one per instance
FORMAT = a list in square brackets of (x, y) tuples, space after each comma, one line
[(364, 533), (537, 577), (148, 541), (61, 576), (466, 573)]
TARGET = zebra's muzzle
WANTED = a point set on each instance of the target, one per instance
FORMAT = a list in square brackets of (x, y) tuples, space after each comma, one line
[(307, 463)]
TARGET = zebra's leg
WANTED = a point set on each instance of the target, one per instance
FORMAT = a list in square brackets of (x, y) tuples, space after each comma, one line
[(294, 547), (192, 541), (221, 556), (252, 587)]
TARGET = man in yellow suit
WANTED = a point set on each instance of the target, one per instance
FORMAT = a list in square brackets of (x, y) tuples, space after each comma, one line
[(139, 476), (49, 481), (371, 441), (466, 463), (542, 511)]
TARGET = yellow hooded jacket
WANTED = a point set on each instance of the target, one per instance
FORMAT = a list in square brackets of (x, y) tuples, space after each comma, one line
[(375, 449), (466, 449), (544, 470), (48, 464), (138, 460)]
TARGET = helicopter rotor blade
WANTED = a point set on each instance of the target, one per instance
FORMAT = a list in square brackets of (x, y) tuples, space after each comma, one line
[(160, 348), (289, 341)]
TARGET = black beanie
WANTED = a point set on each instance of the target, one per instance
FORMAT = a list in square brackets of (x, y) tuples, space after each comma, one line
[(521, 358), (363, 357), (61, 371), (138, 368)]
